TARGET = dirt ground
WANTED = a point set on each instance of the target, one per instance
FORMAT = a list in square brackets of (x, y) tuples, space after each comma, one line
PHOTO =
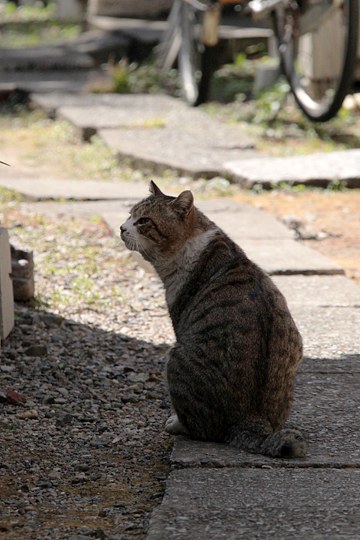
[(330, 219)]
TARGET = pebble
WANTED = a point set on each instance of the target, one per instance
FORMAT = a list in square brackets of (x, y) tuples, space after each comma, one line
[(15, 398), (31, 414)]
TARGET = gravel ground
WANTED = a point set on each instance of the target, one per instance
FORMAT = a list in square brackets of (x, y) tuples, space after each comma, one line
[(86, 455)]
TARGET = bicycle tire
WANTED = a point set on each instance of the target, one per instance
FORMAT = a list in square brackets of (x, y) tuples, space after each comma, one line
[(196, 60), (319, 99)]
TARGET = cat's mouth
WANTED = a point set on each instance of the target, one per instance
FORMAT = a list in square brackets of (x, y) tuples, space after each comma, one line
[(128, 241)]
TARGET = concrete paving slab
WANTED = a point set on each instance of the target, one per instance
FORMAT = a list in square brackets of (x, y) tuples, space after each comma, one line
[(161, 133), (127, 111), (328, 332), (157, 131), (344, 363), (54, 81), (254, 504), (244, 221), (286, 256), (277, 255), (250, 222), (82, 190), (326, 407), (51, 103), (188, 146), (317, 169), (322, 291), (43, 58)]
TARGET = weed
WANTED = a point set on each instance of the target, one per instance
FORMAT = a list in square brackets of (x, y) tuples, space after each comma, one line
[(270, 102), (336, 185), (134, 78), (9, 195)]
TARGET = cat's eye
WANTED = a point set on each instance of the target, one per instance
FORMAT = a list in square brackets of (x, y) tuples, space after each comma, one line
[(143, 221)]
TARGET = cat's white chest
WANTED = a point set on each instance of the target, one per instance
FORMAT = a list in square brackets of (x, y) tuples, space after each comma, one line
[(184, 263)]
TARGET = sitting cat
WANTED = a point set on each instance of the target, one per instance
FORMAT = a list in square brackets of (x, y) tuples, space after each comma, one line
[(231, 372)]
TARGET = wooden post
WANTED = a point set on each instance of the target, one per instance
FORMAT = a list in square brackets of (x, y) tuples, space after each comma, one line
[(6, 288)]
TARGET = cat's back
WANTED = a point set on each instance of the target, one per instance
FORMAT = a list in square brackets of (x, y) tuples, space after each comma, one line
[(225, 282), (228, 300)]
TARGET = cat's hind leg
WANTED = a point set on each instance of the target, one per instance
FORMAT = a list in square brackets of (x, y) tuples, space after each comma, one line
[(174, 426)]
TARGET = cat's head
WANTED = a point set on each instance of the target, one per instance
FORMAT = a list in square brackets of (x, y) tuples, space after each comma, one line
[(159, 225)]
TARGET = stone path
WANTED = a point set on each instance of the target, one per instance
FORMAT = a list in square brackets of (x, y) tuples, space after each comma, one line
[(162, 133), (214, 491), (71, 66)]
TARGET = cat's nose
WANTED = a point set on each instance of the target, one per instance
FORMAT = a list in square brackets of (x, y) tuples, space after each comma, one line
[(122, 228)]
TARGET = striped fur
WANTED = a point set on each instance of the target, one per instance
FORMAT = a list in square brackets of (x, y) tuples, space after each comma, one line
[(232, 370)]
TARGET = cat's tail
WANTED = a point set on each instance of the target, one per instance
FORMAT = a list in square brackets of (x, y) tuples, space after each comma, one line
[(259, 439)]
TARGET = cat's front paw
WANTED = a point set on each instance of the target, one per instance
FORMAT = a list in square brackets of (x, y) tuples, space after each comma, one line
[(174, 426)]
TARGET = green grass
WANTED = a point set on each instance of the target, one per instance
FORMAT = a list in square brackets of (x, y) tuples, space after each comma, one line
[(9, 196), (29, 26), (33, 34), (11, 13)]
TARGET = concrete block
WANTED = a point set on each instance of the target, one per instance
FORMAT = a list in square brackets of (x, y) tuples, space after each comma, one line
[(6, 289)]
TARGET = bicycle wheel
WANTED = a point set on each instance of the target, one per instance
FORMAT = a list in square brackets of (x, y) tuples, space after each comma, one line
[(195, 58), (317, 41), (169, 46)]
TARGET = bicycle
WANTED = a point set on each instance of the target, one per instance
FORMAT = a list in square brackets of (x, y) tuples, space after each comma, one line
[(319, 76)]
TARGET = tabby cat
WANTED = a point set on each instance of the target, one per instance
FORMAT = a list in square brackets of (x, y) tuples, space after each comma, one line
[(231, 372)]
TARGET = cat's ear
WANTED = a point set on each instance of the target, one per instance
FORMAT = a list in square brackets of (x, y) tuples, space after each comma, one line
[(183, 203), (154, 190)]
